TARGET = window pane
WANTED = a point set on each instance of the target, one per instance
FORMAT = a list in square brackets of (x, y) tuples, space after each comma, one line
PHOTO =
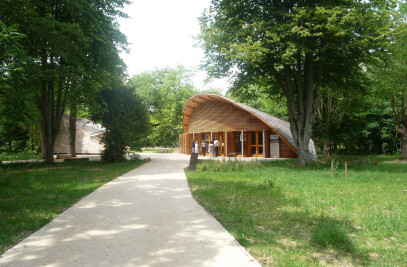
[(253, 150), (260, 138), (253, 138), (260, 150)]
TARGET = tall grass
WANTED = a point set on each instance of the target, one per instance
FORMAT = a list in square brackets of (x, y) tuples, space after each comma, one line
[(288, 215)]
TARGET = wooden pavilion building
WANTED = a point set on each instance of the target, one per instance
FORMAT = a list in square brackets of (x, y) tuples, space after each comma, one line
[(240, 129)]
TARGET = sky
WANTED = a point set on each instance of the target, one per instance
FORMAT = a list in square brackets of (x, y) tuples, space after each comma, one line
[(160, 33)]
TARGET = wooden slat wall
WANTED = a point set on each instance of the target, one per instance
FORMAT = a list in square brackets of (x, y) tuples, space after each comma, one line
[(231, 144), (189, 144), (199, 138), (215, 116), (267, 143), (181, 144), (246, 145), (218, 116), (286, 151)]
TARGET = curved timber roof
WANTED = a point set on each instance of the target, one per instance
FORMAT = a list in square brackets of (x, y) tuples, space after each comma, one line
[(282, 128)]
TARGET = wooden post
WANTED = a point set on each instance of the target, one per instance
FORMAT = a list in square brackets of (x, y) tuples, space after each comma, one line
[(242, 144), (264, 144), (226, 143), (346, 169), (332, 169)]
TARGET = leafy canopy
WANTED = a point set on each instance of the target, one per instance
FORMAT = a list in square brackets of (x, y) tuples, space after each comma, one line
[(165, 92)]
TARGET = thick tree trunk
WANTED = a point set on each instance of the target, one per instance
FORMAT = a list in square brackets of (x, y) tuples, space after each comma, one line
[(404, 143), (72, 131), (303, 151), (51, 108), (302, 103), (46, 117)]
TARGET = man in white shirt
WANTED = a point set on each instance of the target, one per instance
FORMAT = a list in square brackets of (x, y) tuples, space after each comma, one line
[(216, 145)]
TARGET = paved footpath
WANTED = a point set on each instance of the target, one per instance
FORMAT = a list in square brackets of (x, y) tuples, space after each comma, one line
[(146, 217)]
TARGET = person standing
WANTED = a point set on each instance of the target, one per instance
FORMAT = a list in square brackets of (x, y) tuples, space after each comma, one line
[(196, 147), (203, 147), (193, 146), (216, 145)]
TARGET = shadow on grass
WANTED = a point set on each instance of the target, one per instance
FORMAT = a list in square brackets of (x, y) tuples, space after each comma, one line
[(332, 233), (260, 214), (31, 194)]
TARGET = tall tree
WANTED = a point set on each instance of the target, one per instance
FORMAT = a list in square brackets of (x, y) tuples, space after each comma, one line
[(165, 92), (334, 104), (390, 74), (16, 106), (71, 41), (125, 119), (292, 47)]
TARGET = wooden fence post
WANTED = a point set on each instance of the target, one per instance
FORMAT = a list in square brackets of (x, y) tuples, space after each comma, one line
[(332, 169)]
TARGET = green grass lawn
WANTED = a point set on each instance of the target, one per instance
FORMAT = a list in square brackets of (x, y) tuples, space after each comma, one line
[(31, 195), (287, 215), (19, 156)]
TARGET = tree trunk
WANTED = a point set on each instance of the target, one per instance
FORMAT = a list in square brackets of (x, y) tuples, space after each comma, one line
[(72, 130), (51, 109), (302, 103), (303, 151), (404, 143), (42, 142), (327, 148)]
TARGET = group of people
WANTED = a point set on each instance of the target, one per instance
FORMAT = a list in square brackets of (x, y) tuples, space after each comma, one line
[(213, 145)]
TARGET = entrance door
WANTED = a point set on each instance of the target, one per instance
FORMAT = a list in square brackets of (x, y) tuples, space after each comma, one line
[(256, 144)]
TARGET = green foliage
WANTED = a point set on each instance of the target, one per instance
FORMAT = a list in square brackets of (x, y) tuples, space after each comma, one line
[(126, 122), (165, 93), (293, 48), (17, 111), (257, 97), (74, 47), (356, 123), (388, 74)]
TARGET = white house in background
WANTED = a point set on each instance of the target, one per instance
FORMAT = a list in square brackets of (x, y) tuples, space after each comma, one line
[(88, 137)]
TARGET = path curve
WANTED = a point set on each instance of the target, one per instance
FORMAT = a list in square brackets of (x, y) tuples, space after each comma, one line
[(146, 217)]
